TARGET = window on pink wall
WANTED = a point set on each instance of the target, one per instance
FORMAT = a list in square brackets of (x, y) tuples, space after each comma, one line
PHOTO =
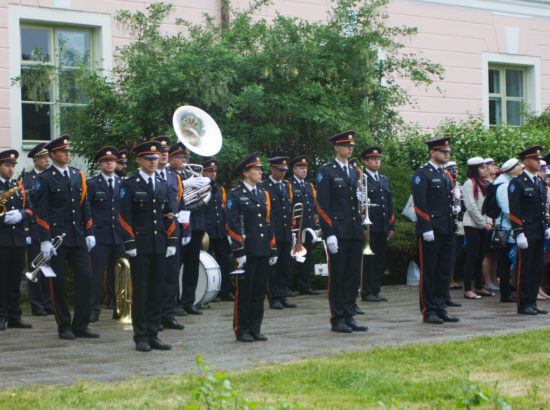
[(507, 94), (50, 59)]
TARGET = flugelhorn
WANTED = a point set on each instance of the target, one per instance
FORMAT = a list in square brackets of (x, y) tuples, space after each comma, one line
[(40, 260), (365, 205)]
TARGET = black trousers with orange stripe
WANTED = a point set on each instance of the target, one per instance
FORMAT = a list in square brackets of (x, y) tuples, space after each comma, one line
[(278, 279), (530, 263), (374, 265), (104, 258), (79, 261), (12, 260), (435, 259), (250, 295), (344, 278), (39, 291)]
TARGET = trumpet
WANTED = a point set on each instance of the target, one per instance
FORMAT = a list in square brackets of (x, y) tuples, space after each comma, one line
[(299, 251), (365, 203), (40, 260)]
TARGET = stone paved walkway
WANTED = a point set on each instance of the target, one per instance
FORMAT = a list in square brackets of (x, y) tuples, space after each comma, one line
[(37, 356)]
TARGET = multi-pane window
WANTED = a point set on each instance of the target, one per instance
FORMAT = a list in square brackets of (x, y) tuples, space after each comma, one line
[(50, 60), (506, 95)]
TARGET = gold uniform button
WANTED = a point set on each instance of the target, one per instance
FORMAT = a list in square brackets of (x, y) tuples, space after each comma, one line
[(74, 223), (261, 225), (154, 211), (262, 235), (260, 215), (154, 200), (72, 199), (154, 222), (74, 211), (258, 205)]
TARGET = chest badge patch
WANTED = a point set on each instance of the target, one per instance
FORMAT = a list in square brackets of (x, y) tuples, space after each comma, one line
[(229, 203), (512, 187), (122, 192), (38, 185), (320, 176), (417, 179)]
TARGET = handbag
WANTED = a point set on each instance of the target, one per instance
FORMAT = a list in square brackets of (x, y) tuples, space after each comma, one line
[(499, 238)]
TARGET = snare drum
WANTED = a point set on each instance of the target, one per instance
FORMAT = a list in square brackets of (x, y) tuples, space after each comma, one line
[(209, 281)]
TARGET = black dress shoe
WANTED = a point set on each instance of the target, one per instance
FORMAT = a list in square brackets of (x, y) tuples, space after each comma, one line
[(158, 344), (370, 298), (170, 323), (192, 310), (3, 323), (309, 292), (509, 299), (356, 327), (143, 346), (540, 311), (39, 312), (358, 311), (381, 298), (450, 302), (448, 318), (180, 311), (276, 304), (85, 333), (245, 337), (258, 336), (67, 334), (287, 304), (528, 311), (433, 319), (291, 294), (94, 316), (341, 327), (18, 324)]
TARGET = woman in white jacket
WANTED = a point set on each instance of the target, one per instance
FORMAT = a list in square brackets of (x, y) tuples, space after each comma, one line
[(476, 226)]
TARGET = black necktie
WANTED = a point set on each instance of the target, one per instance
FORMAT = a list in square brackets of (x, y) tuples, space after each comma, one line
[(111, 185), (161, 175), (376, 177), (302, 185), (254, 192), (66, 174), (346, 170), (150, 183), (7, 184)]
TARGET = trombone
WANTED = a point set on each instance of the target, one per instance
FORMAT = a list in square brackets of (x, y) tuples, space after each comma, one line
[(365, 203), (299, 250)]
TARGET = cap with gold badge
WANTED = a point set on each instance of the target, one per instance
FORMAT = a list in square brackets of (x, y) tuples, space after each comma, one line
[(60, 143), (253, 160), (371, 152), (164, 142), (279, 162), (531, 152), (9, 155), (38, 151), (344, 138), (149, 149), (300, 160), (178, 148), (122, 156), (439, 144), (106, 153), (210, 164)]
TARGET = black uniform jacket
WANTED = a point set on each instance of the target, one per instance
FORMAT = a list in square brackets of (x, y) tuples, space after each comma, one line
[(175, 191), (16, 234), (432, 197), (307, 196), (249, 216), (281, 209), (105, 209), (62, 206), (29, 182), (527, 201), (146, 217), (339, 210), (214, 213), (379, 193)]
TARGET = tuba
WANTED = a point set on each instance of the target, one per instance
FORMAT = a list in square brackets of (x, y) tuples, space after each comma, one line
[(201, 135), (123, 291)]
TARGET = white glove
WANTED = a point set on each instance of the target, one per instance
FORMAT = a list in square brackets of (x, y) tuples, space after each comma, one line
[(13, 217), (132, 253), (185, 240), (455, 209), (521, 240), (47, 250), (241, 261), (28, 239), (547, 233), (359, 195), (170, 251), (196, 182), (273, 260), (457, 194), (429, 236), (90, 242), (293, 241), (332, 243), (183, 217)]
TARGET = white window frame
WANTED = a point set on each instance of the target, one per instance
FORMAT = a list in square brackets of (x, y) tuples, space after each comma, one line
[(100, 24), (532, 86)]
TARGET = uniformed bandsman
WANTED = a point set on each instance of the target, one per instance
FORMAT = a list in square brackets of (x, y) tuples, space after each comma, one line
[(432, 195), (14, 235), (340, 218), (527, 199), (253, 245), (103, 193), (148, 227), (39, 291), (302, 191), (63, 208), (215, 228), (122, 163), (170, 288), (279, 275), (382, 228)]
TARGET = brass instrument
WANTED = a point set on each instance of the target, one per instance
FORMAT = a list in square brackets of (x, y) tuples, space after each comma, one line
[(4, 196), (123, 291), (365, 205), (205, 242), (201, 135), (40, 259), (299, 251)]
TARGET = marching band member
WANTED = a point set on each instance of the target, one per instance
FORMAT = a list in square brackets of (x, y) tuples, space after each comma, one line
[(103, 192), (148, 228), (340, 218), (253, 245), (122, 163), (63, 208), (14, 236)]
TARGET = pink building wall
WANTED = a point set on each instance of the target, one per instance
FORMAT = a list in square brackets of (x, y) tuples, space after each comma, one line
[(455, 36)]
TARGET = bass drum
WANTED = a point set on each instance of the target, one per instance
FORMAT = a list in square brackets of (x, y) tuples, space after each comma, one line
[(209, 281)]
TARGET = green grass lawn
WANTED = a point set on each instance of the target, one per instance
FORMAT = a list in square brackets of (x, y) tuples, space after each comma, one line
[(510, 371)]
